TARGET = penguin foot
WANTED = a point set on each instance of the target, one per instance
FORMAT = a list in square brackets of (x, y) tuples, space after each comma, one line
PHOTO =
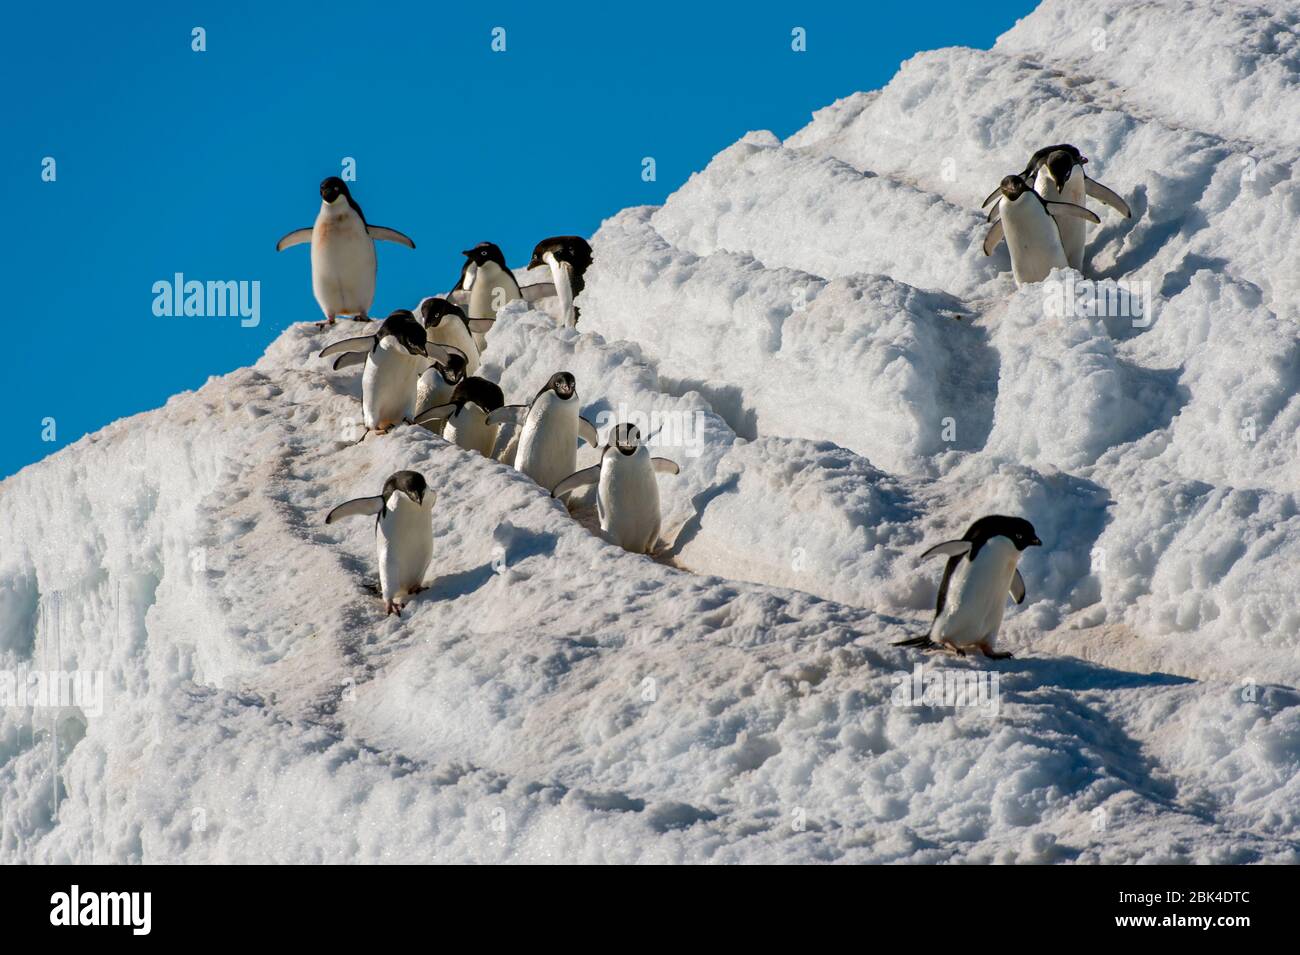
[(324, 324), (360, 318), (988, 651), (393, 607)]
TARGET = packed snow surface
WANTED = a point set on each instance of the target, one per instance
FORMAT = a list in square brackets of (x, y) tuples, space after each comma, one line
[(845, 380)]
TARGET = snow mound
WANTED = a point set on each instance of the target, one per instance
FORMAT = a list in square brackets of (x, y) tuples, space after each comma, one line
[(812, 332)]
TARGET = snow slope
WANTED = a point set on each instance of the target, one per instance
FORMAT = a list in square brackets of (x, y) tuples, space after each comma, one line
[(850, 381)]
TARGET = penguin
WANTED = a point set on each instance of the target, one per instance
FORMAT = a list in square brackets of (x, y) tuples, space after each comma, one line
[(627, 498), (981, 570), (548, 441), (467, 415), (436, 386), (446, 324), (568, 257), (1057, 174), (1025, 219), (395, 356), (403, 533), (486, 284), (342, 253)]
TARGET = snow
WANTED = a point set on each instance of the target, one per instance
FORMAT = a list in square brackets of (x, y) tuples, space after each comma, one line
[(845, 380)]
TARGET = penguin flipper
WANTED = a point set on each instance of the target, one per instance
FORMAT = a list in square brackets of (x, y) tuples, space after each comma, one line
[(538, 291), (362, 344), (914, 642), (349, 359), (481, 326), (992, 195), (296, 237), (1017, 587), (993, 238), (508, 414), (949, 549), (385, 234), (1102, 194), (587, 432), (577, 479), (440, 353), (1070, 209), (358, 507), (436, 413), (458, 296), (665, 466)]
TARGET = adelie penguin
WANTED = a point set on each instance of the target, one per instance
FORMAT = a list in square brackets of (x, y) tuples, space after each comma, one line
[(445, 323), (548, 441), (403, 534), (467, 415), (395, 356), (982, 569), (1057, 175), (568, 257), (627, 497), (342, 253), (486, 284), (1026, 220), (436, 386)]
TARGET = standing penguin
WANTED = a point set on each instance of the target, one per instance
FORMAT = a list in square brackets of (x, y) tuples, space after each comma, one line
[(548, 441), (342, 253), (1057, 174), (445, 324), (467, 415), (395, 357), (1033, 239), (981, 570), (628, 496), (485, 285), (436, 386), (568, 257), (403, 533)]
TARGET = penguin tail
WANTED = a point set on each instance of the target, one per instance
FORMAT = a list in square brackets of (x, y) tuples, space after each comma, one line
[(915, 642)]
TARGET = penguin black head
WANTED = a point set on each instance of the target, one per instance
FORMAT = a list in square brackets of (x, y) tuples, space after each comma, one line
[(484, 253), (1042, 158), (563, 384), (434, 310), (410, 483), (403, 327), (453, 370), (1015, 529), (333, 187), (627, 438), (570, 249), (1013, 187), (1059, 166), (486, 394)]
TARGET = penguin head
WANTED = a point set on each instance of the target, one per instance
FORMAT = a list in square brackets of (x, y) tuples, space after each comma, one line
[(563, 384), (573, 250), (453, 369), (486, 394), (332, 188), (406, 331), (410, 483), (1013, 187), (1061, 163), (485, 252), (1015, 529), (627, 438), (434, 310)]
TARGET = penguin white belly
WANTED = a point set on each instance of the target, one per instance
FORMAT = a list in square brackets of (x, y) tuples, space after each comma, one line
[(468, 429), (451, 331), (977, 595), (563, 287), (405, 539), (548, 444), (628, 500), (431, 390), (1073, 230), (1032, 239), (388, 385), (492, 289), (342, 264)]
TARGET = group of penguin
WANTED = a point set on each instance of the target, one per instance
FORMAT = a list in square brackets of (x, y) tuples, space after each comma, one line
[(421, 371), (419, 368)]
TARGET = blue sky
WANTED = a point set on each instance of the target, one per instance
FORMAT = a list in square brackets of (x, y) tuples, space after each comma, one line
[(169, 160)]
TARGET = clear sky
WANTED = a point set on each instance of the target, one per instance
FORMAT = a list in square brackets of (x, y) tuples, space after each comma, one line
[(169, 160)]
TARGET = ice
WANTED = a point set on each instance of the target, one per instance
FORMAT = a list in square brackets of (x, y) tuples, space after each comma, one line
[(812, 332)]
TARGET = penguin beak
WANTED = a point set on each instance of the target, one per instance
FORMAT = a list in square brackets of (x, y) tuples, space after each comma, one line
[(468, 253), (1034, 542), (535, 261), (417, 497)]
